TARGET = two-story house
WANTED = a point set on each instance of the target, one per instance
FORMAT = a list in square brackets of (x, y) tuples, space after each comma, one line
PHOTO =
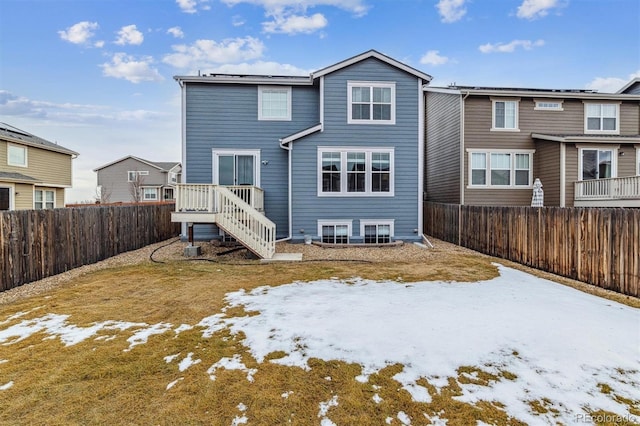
[(133, 179), (334, 157), (485, 146), (34, 172)]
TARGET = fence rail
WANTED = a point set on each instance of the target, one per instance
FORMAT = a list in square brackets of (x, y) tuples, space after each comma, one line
[(36, 244), (594, 245)]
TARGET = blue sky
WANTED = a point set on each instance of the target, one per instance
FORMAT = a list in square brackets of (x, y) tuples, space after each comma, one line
[(96, 76)]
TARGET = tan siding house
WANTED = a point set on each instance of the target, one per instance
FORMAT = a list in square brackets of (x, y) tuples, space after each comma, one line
[(581, 144), (34, 172)]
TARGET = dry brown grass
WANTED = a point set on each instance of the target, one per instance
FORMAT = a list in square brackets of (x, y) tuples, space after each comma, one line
[(97, 382)]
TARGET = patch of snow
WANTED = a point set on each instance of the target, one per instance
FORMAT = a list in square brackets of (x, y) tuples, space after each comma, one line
[(437, 421), (239, 420), (188, 362), (242, 407), (141, 336), (233, 363), (376, 398), (212, 324), (286, 395), (169, 358), (404, 418), (2, 361), (559, 343), (388, 420), (328, 378), (362, 378), (326, 422), (172, 384), (6, 386), (182, 327), (324, 409)]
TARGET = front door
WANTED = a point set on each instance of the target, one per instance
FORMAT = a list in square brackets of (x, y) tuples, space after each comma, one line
[(4, 198)]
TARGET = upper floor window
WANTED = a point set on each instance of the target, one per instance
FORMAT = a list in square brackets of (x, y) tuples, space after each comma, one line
[(501, 168), (371, 103), (355, 171), (133, 176), (274, 103), (44, 199), (173, 177), (548, 105), (16, 155), (601, 118), (505, 114)]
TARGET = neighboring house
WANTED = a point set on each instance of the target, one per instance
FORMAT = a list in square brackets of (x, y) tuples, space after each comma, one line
[(632, 87), (485, 146), (335, 156), (34, 172), (132, 179)]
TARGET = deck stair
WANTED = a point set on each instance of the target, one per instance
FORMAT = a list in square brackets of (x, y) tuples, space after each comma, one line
[(238, 211)]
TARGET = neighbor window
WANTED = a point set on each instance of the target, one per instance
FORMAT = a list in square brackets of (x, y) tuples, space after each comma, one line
[(500, 168), (334, 232), (371, 103), (601, 118), (44, 199), (16, 155), (274, 103), (505, 114), (149, 194), (132, 176), (548, 105), (376, 231), (354, 171)]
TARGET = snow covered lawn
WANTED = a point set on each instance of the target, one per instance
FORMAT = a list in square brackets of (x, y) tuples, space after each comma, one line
[(539, 351)]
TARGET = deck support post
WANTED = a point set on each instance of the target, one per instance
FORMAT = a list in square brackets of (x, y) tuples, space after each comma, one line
[(190, 250)]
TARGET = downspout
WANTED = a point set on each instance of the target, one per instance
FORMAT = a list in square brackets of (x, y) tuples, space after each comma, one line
[(461, 167), (421, 153), (289, 148), (183, 131)]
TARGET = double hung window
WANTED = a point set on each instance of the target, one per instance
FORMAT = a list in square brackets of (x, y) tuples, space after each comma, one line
[(44, 199), (149, 194), (355, 171), (274, 103), (505, 114), (16, 155), (601, 118), (371, 103)]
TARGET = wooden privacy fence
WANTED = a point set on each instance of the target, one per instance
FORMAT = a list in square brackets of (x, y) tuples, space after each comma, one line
[(36, 244), (594, 245)]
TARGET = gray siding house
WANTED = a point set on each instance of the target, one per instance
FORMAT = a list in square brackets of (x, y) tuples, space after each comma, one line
[(335, 156), (486, 146), (133, 179)]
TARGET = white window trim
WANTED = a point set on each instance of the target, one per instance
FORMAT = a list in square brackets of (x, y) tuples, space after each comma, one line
[(256, 162), (390, 222), (538, 103), (26, 155), (154, 188), (385, 84), (512, 176), (614, 156), (138, 172), (334, 222), (12, 194), (638, 160), (602, 132), (261, 116), (493, 115), (343, 171), (44, 198)]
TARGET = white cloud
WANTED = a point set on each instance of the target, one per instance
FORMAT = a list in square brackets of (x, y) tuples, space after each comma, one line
[(129, 35), (358, 7), (209, 53), (192, 6), (610, 84), (176, 32), (237, 21), (432, 57), (533, 9), (80, 33), (294, 24), (451, 10), (510, 47), (127, 67)]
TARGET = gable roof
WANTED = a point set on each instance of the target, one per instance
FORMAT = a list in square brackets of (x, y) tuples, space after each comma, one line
[(371, 54), (162, 166), (13, 134), (17, 177), (585, 94), (629, 85)]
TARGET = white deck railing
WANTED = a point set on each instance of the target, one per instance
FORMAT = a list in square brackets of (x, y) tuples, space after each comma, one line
[(608, 189), (236, 209)]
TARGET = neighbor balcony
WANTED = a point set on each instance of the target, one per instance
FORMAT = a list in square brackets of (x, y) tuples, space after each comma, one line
[(611, 192)]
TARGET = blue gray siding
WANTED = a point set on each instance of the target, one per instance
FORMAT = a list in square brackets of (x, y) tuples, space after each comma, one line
[(308, 208), (225, 116)]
